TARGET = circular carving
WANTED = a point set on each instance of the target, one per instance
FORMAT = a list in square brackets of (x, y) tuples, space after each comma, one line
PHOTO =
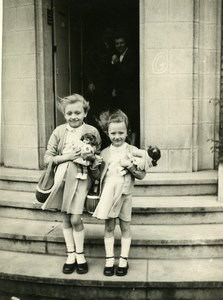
[(160, 63)]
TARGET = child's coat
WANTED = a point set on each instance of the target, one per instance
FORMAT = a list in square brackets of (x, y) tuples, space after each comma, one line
[(68, 193)]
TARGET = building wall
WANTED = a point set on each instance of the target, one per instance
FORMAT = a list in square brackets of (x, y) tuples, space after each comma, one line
[(207, 79), (180, 64), (180, 73), (27, 86), (19, 90)]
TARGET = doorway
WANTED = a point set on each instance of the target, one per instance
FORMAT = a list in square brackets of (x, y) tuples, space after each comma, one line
[(78, 25)]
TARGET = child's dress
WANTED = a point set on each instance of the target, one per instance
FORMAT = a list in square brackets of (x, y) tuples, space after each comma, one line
[(68, 193), (116, 183)]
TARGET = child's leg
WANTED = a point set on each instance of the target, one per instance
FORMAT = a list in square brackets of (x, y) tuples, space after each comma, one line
[(109, 243), (78, 234), (125, 243), (69, 240)]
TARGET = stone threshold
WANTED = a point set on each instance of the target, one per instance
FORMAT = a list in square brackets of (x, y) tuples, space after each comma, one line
[(143, 273)]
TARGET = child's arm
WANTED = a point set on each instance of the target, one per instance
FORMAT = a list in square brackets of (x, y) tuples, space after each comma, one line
[(128, 164), (52, 151), (137, 173), (96, 167), (59, 159)]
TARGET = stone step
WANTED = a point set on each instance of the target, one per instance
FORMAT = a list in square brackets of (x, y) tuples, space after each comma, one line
[(154, 184), (29, 276), (153, 241), (178, 184), (146, 210), (19, 179)]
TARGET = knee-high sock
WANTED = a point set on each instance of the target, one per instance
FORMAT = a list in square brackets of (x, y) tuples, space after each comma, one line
[(109, 251), (69, 240), (79, 243), (125, 247)]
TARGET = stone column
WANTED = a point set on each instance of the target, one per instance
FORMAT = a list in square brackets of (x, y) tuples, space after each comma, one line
[(168, 88), (180, 74), (220, 167), (19, 94), (27, 85)]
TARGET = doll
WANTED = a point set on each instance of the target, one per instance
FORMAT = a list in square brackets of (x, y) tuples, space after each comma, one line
[(87, 145), (140, 159)]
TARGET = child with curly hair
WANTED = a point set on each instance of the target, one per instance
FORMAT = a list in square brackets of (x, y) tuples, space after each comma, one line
[(117, 174)]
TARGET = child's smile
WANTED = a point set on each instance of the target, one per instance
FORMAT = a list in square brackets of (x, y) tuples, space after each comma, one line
[(74, 114), (117, 133)]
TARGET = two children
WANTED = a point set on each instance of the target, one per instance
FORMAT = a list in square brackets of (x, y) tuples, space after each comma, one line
[(116, 173)]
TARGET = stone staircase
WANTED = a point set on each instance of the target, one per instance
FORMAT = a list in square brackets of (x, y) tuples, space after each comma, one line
[(176, 252)]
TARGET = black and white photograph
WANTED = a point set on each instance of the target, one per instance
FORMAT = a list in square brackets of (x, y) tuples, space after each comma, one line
[(111, 156)]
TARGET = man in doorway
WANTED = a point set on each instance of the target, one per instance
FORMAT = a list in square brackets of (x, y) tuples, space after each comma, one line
[(126, 83)]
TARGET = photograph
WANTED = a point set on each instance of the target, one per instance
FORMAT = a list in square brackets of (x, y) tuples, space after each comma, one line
[(111, 150)]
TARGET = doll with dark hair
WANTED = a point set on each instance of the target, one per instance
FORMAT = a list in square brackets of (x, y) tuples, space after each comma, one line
[(155, 154), (88, 146)]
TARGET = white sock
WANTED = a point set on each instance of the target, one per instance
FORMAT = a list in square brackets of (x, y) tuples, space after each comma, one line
[(125, 247), (109, 251), (79, 243), (69, 240)]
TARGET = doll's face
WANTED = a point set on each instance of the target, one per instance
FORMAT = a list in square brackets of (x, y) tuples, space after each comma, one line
[(117, 133), (74, 114)]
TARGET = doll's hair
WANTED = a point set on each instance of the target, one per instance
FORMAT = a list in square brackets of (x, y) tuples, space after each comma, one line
[(91, 138), (74, 98), (107, 117)]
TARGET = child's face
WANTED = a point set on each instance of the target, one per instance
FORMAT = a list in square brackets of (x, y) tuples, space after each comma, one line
[(74, 114), (117, 133)]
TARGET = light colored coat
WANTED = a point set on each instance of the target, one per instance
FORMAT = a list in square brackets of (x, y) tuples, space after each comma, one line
[(58, 137), (69, 195)]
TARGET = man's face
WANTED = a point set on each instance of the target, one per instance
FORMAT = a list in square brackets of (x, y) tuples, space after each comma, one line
[(120, 45)]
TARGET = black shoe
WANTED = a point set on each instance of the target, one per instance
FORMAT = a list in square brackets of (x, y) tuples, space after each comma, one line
[(109, 271), (69, 268), (82, 268), (122, 271)]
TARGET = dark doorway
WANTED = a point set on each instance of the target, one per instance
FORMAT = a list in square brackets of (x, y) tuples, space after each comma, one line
[(78, 24)]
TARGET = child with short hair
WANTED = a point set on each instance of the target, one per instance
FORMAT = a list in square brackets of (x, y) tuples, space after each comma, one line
[(116, 186), (69, 193)]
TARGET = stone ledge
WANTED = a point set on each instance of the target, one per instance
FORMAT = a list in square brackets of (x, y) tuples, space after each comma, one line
[(142, 235), (177, 273), (14, 174), (141, 204), (201, 177)]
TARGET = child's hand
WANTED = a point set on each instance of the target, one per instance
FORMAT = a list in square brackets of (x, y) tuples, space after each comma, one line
[(126, 162), (88, 156), (76, 152), (97, 162)]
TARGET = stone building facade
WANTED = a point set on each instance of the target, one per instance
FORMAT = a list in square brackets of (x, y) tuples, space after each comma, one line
[(180, 63)]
